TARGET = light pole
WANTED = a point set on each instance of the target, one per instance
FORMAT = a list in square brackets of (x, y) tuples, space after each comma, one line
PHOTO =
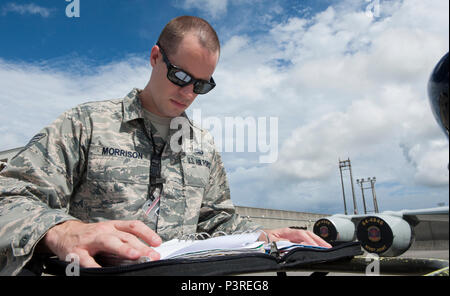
[(346, 164), (361, 183), (372, 184)]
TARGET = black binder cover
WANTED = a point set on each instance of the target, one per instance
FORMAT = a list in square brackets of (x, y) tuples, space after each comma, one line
[(218, 265)]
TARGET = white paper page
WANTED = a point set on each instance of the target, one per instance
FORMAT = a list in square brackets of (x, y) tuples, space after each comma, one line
[(169, 247), (228, 242)]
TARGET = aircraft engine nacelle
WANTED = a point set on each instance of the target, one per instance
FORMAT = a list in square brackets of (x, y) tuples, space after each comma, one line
[(336, 228), (385, 235)]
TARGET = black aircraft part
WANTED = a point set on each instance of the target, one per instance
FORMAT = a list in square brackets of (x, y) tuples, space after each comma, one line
[(326, 230), (375, 235)]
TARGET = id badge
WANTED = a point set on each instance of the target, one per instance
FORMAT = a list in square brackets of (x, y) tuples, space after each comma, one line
[(151, 206)]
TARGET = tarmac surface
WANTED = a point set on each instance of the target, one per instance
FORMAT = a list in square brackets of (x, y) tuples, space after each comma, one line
[(417, 254), (436, 254)]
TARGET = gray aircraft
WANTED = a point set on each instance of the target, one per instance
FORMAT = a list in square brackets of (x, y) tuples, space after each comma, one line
[(391, 233)]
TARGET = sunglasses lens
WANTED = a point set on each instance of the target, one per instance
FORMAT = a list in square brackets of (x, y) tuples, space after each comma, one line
[(178, 77), (203, 87), (182, 76)]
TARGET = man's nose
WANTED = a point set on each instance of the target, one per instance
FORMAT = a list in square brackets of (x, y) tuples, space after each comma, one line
[(188, 91)]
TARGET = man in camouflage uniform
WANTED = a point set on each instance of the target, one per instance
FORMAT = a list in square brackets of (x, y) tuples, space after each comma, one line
[(107, 177)]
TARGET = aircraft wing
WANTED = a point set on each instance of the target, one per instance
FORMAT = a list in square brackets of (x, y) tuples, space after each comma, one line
[(425, 215), (412, 216)]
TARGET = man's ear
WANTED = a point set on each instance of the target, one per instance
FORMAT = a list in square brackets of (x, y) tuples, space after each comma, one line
[(154, 55)]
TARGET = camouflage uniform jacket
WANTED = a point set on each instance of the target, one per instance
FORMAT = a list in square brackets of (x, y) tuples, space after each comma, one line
[(92, 164)]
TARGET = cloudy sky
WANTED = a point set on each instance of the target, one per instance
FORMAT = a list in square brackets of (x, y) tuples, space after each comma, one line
[(341, 79)]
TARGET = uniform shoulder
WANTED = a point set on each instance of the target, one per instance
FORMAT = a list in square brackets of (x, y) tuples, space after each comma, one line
[(111, 108), (204, 136), (102, 105), (202, 131)]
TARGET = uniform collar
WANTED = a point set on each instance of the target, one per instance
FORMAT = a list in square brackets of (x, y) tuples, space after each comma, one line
[(132, 109)]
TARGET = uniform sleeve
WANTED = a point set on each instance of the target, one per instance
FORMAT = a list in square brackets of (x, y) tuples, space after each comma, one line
[(218, 212), (36, 185)]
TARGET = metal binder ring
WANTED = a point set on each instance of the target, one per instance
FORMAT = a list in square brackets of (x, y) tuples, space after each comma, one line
[(219, 233), (202, 235), (267, 236)]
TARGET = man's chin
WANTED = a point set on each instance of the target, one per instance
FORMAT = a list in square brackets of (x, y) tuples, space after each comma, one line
[(174, 113)]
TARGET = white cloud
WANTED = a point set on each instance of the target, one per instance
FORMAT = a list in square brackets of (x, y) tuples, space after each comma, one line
[(430, 162), (214, 8), (23, 9), (32, 96), (392, 116)]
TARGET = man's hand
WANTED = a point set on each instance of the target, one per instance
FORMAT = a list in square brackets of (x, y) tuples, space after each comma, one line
[(299, 236), (120, 238)]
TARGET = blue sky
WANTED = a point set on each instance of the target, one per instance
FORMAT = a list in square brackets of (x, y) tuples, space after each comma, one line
[(108, 30), (342, 83)]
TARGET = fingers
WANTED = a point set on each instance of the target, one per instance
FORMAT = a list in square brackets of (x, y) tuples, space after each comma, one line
[(86, 260), (139, 246), (127, 243), (312, 239), (81, 257), (140, 230), (121, 238), (321, 242), (125, 239), (307, 239), (297, 236), (112, 244), (274, 238), (121, 244)]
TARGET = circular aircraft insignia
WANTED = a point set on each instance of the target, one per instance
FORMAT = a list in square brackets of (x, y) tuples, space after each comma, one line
[(374, 233), (323, 231)]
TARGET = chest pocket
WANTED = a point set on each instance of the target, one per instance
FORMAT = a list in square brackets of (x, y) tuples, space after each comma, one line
[(196, 170), (116, 188), (118, 169)]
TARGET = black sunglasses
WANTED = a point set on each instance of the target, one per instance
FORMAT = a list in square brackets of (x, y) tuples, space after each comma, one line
[(182, 78)]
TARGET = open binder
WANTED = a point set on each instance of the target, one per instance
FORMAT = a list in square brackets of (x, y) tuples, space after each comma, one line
[(224, 255)]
